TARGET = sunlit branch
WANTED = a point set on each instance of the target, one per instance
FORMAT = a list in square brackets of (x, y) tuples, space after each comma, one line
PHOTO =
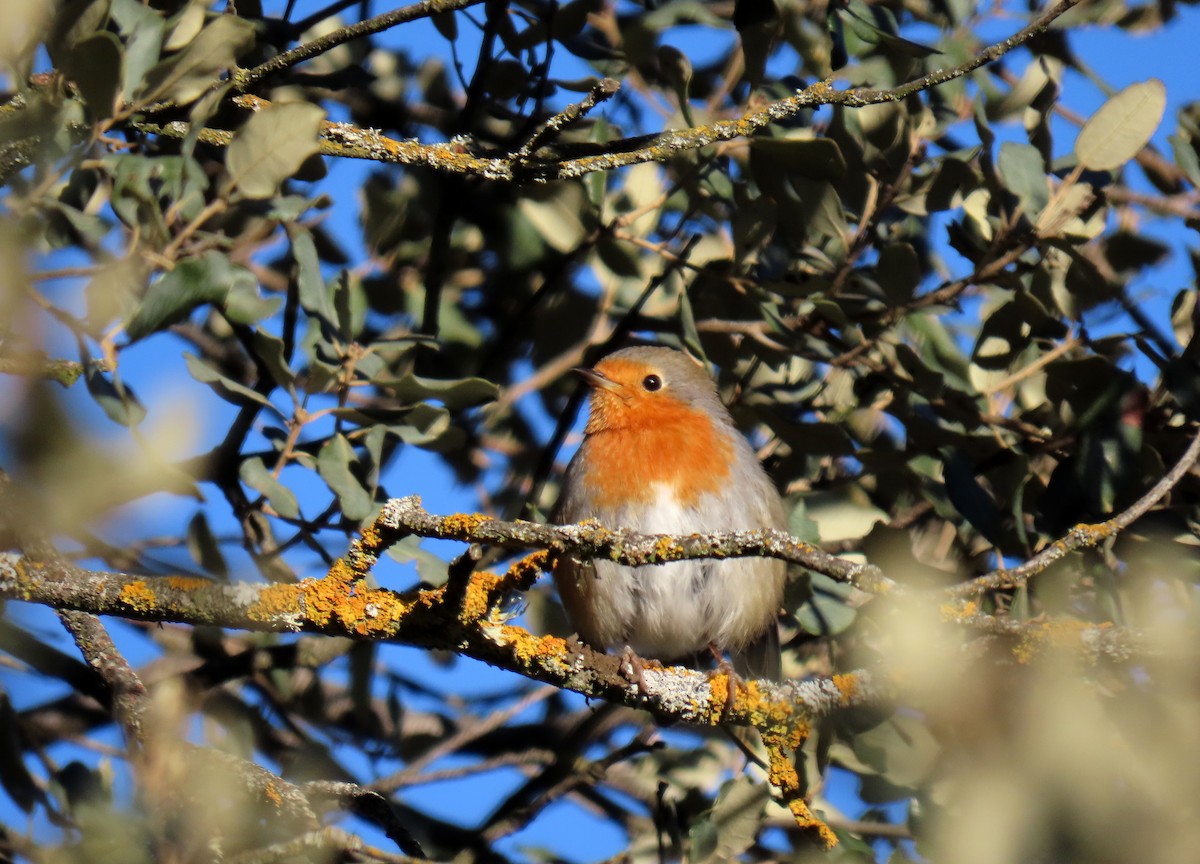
[(348, 141)]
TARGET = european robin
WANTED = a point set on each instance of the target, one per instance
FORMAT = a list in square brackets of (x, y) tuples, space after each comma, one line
[(661, 455)]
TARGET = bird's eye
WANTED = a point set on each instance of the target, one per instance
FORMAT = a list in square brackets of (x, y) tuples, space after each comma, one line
[(652, 383)]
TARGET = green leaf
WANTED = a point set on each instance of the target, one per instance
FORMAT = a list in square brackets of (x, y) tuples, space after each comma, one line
[(730, 827), (142, 30), (812, 158), (430, 567), (117, 401), (94, 66), (333, 464), (826, 612), (1024, 174), (558, 224), (193, 282), (454, 394), (184, 77), (272, 146), (203, 546), (424, 425), (268, 348), (244, 305), (314, 293), (1186, 157), (1122, 126), (898, 272), (254, 474), (226, 388)]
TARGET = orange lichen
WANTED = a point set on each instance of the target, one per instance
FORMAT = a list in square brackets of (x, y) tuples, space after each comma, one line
[(529, 648), (1057, 633), (139, 596), (666, 549), (959, 611), (524, 572), (719, 686), (187, 583), (463, 525), (782, 775), (276, 602), (323, 602), (847, 686), (272, 795), (479, 596), (369, 537)]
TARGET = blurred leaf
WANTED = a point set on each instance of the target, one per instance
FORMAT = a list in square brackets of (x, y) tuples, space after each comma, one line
[(1186, 157), (244, 305), (314, 293), (185, 76), (254, 474), (94, 66), (119, 402), (425, 424), (729, 829), (192, 283), (558, 224), (898, 272), (269, 350), (271, 147), (826, 612), (22, 789), (454, 394), (334, 465), (142, 29), (446, 24), (226, 388), (430, 568), (813, 158), (1025, 176), (204, 549), (1122, 126)]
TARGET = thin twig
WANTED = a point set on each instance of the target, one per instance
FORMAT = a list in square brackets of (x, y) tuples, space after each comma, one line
[(247, 78), (602, 91), (1082, 536)]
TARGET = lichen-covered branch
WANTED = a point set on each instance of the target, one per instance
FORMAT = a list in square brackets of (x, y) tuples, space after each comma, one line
[(65, 372), (348, 141), (401, 517), (97, 648), (342, 605)]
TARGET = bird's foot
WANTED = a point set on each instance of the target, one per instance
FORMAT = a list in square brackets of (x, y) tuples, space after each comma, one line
[(636, 667)]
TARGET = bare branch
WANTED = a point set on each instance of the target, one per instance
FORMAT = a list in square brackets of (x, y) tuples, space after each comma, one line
[(247, 78)]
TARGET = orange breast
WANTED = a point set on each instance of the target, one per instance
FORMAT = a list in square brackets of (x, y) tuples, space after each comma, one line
[(666, 442)]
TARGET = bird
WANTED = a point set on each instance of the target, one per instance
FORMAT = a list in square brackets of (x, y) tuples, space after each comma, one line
[(661, 455)]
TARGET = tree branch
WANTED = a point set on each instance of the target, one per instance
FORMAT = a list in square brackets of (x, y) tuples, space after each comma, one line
[(1082, 536), (246, 78), (348, 141)]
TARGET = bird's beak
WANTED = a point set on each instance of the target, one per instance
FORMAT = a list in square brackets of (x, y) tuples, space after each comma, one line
[(598, 380)]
